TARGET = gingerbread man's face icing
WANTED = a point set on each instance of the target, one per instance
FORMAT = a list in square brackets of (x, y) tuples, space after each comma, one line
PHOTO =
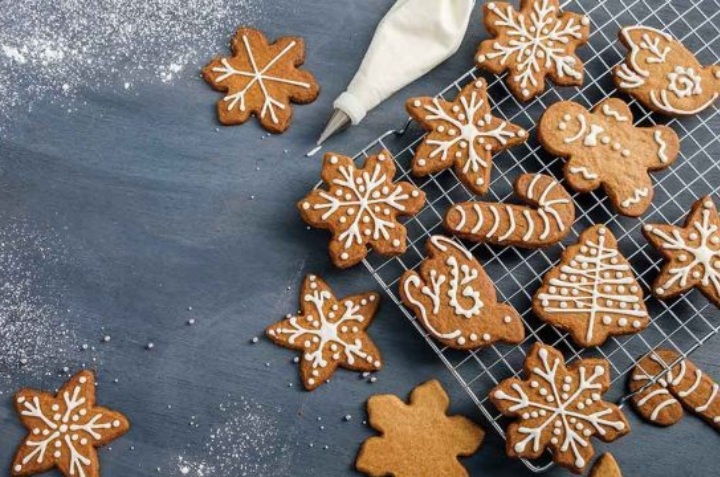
[(603, 147)]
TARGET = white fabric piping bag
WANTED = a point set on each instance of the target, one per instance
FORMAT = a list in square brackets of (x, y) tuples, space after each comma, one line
[(413, 38)]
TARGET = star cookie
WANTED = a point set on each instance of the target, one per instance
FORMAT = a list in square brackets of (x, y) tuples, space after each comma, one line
[(261, 79), (535, 41), (65, 429), (360, 207), (692, 253), (606, 466), (329, 331), (417, 439), (462, 133), (559, 408)]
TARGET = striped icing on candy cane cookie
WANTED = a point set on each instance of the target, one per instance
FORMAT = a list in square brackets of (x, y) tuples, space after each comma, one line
[(684, 385), (544, 221)]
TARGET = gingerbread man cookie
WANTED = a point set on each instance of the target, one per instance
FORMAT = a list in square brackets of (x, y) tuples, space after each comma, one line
[(692, 253), (606, 466), (664, 75), (261, 79), (559, 408), (462, 132), (361, 207), (456, 301), (65, 429), (605, 149), (535, 41)]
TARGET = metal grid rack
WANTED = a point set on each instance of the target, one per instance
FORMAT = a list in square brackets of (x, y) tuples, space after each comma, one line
[(683, 324)]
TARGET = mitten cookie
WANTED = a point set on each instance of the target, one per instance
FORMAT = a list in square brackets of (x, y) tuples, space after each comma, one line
[(64, 429), (417, 439), (692, 253), (544, 221), (592, 293), (463, 133), (684, 385), (604, 148), (261, 79), (664, 75), (329, 331), (360, 207), (606, 466), (535, 41), (559, 408), (455, 300)]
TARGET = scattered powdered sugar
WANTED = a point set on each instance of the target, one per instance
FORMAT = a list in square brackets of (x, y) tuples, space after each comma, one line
[(49, 51)]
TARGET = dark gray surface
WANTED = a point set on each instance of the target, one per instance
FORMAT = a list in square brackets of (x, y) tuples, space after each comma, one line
[(161, 218)]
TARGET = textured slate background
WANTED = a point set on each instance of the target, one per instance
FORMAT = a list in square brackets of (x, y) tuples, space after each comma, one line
[(162, 218)]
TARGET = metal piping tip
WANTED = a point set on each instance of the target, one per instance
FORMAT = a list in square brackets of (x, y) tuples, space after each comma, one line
[(337, 122)]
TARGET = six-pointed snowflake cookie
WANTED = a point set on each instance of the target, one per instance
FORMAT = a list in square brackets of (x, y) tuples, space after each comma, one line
[(455, 300), (462, 133), (606, 466), (329, 331), (559, 408), (261, 79), (604, 148), (535, 41), (64, 429), (361, 206), (417, 439), (664, 75), (692, 253), (592, 293)]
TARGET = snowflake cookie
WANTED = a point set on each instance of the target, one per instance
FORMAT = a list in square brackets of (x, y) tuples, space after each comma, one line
[(456, 301), (361, 206), (692, 253), (544, 221), (532, 42), (65, 429), (592, 293), (417, 439), (678, 383), (664, 75), (559, 408), (604, 148), (606, 466), (461, 132), (261, 79), (329, 331)]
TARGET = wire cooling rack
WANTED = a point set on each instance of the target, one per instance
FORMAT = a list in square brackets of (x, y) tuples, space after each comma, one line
[(682, 324)]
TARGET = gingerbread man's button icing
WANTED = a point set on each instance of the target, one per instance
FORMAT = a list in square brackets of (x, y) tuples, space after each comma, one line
[(535, 41), (664, 75), (463, 133), (455, 300), (692, 253), (361, 206), (262, 79), (604, 148)]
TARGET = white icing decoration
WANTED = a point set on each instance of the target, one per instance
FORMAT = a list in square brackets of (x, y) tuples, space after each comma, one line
[(608, 111), (638, 196), (662, 147), (581, 132), (585, 172), (591, 139)]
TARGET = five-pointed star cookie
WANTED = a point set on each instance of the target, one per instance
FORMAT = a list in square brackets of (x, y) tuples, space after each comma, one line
[(692, 253), (65, 429), (329, 331), (463, 133), (261, 78)]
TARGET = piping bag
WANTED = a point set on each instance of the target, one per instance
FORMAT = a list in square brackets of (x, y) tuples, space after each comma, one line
[(413, 38)]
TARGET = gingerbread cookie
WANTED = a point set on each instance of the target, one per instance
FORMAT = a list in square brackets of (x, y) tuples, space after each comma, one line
[(692, 253), (606, 466), (682, 385), (462, 132), (559, 408), (535, 41), (65, 429), (455, 300), (592, 293), (417, 439), (329, 331), (605, 149), (261, 79), (361, 206), (544, 221), (664, 75)]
